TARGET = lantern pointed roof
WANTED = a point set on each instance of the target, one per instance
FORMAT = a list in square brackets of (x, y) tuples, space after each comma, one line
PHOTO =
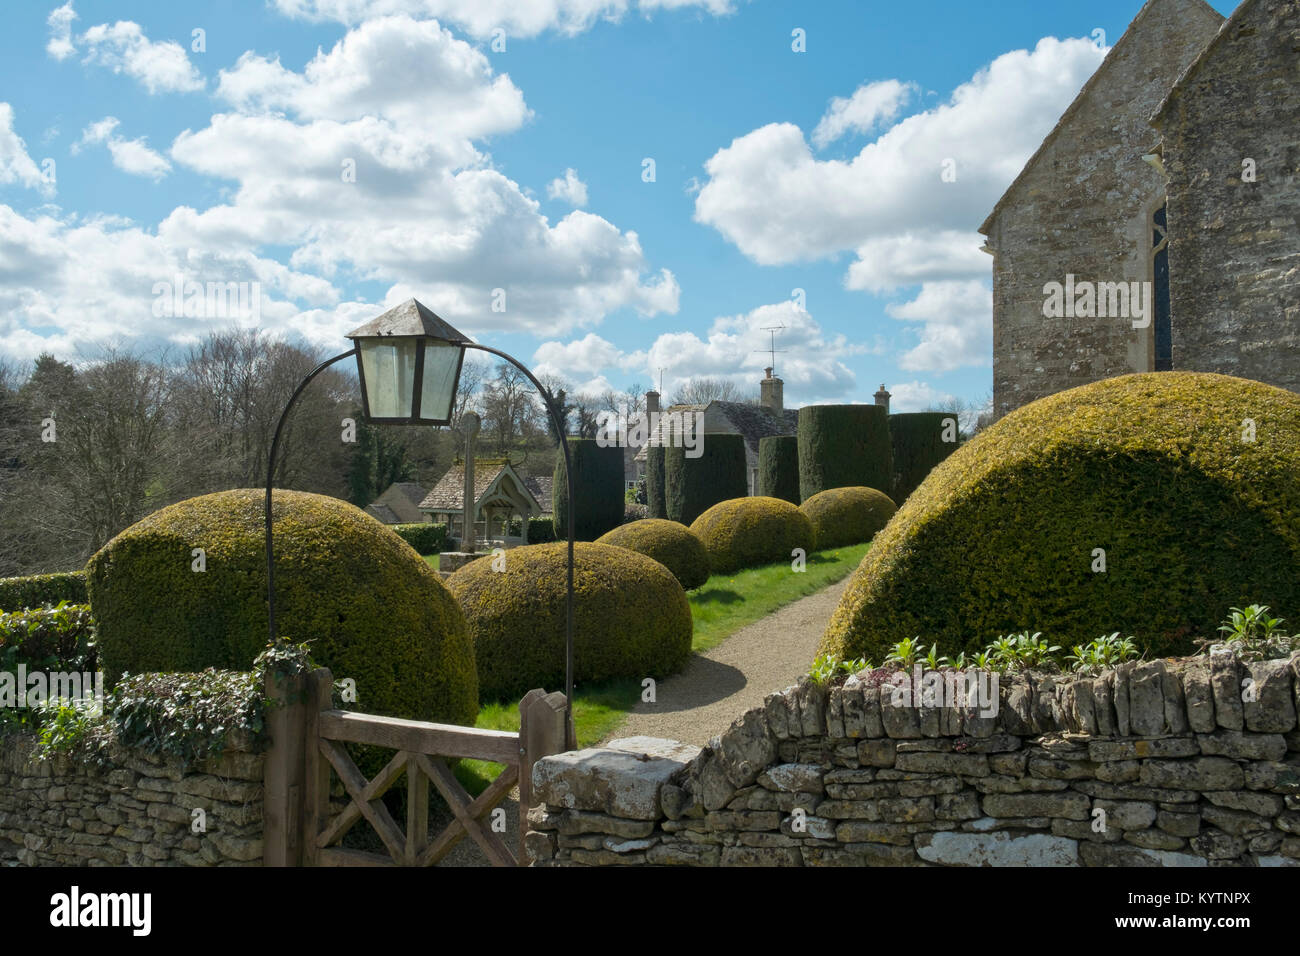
[(411, 318)]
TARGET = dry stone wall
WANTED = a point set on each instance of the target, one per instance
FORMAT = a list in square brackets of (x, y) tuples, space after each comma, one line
[(138, 810), (1164, 763)]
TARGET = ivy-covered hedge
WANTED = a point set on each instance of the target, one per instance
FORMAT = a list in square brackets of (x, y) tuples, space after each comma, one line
[(631, 617), (918, 445), (60, 638), (693, 485), (598, 489), (373, 609), (844, 446), (654, 482), (747, 532), (425, 538), (41, 589), (778, 468), (843, 516), (671, 544), (1155, 474)]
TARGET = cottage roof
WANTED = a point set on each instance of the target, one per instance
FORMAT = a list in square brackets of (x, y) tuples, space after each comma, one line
[(753, 422), (448, 495), (383, 513)]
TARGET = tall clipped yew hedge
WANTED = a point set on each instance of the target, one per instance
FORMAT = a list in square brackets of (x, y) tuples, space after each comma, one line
[(598, 490), (1195, 515), (372, 608), (654, 482), (693, 485), (918, 445), (844, 446), (778, 468)]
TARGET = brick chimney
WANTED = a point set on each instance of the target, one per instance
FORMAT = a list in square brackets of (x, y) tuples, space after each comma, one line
[(651, 401), (771, 394), (882, 398)]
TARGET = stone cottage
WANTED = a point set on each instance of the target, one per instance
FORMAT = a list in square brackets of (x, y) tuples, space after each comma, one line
[(754, 422), (1088, 208), (399, 504), (1230, 131)]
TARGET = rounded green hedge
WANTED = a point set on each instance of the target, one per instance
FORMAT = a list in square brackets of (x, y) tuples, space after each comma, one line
[(654, 482), (631, 617), (597, 486), (425, 537), (17, 594), (747, 532), (919, 445), (843, 516), (693, 485), (671, 544), (1150, 468), (778, 468), (844, 446), (372, 608)]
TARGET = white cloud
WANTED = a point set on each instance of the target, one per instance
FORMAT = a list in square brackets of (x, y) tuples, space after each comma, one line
[(588, 355), (16, 166), (94, 280), (122, 47), (570, 189), (60, 23), (917, 396), (361, 169), (129, 155), (885, 263), (769, 195), (731, 349), (481, 17), (957, 329), (869, 106)]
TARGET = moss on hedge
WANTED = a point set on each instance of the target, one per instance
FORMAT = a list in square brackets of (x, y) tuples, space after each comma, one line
[(597, 486), (843, 516), (844, 446), (778, 468), (671, 544), (36, 590), (1152, 468), (654, 482), (747, 532), (631, 617), (918, 445), (693, 485), (372, 608)]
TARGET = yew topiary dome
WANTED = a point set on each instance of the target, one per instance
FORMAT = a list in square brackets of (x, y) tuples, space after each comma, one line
[(1184, 483), (671, 544), (372, 608)]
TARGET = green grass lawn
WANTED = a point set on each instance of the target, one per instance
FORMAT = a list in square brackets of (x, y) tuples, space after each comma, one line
[(431, 560), (722, 606)]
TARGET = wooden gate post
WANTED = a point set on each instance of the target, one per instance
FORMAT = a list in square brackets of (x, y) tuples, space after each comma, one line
[(542, 732), (316, 769), (282, 771)]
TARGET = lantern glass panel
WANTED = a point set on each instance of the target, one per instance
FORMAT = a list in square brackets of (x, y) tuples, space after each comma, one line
[(389, 369), (441, 363)]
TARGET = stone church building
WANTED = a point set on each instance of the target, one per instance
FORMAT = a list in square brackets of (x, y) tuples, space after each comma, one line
[(1158, 225)]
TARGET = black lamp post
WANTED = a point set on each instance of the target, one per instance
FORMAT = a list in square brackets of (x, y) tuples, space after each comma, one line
[(409, 363)]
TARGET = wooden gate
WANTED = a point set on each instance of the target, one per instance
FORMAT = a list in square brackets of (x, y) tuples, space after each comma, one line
[(308, 744)]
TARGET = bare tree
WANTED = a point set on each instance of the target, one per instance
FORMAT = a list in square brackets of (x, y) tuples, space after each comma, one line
[(701, 391)]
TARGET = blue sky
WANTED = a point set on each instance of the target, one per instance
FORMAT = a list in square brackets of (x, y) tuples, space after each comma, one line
[(774, 171)]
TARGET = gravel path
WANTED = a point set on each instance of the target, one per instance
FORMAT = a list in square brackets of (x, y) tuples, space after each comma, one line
[(715, 688), (718, 686)]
